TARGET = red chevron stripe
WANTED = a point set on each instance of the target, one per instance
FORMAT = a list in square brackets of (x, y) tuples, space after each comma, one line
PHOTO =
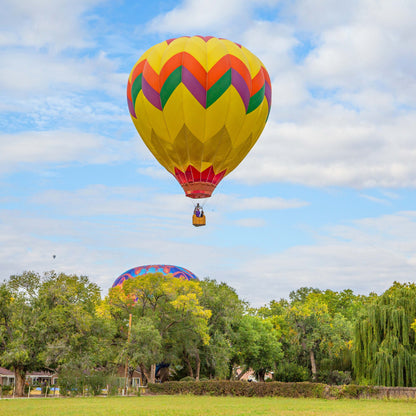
[(205, 38)]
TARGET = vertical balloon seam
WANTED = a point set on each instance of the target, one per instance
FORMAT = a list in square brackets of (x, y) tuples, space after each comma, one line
[(247, 63), (186, 47), (229, 104), (259, 113), (205, 115), (144, 109), (261, 128), (218, 176), (150, 140), (162, 59)]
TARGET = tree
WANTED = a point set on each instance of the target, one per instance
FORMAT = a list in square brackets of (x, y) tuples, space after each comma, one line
[(171, 305), (46, 321), (315, 331), (144, 347), (226, 313), (384, 351), (256, 345), (22, 330), (76, 336)]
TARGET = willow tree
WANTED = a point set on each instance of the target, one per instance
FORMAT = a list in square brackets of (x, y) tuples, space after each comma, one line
[(384, 342)]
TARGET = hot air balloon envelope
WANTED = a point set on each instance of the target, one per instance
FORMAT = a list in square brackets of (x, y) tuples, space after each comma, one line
[(165, 269), (199, 104)]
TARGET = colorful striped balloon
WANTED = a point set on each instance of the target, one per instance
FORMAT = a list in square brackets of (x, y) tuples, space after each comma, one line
[(175, 271), (199, 104)]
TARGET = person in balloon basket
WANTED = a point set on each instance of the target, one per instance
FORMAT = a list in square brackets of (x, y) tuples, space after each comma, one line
[(198, 211)]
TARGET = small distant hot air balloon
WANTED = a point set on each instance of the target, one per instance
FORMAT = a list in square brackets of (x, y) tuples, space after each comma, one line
[(199, 104)]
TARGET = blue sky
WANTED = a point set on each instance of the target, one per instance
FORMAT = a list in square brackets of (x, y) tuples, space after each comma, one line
[(326, 198)]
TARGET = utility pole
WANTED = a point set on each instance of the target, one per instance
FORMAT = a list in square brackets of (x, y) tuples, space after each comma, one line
[(127, 358)]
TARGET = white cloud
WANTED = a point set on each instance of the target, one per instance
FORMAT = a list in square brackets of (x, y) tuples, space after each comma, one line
[(365, 255), (250, 222), (34, 150), (215, 15), (58, 74), (333, 146), (43, 23)]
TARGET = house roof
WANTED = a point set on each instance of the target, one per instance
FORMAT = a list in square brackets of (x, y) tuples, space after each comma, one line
[(6, 372)]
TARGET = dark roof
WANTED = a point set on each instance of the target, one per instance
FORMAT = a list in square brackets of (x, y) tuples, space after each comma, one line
[(6, 372)]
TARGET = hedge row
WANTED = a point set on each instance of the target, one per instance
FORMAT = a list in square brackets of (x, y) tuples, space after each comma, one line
[(275, 388)]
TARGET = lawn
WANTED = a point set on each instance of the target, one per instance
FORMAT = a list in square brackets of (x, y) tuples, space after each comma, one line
[(201, 406)]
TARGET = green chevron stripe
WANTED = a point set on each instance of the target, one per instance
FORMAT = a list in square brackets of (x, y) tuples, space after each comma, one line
[(172, 81), (256, 99), (219, 88), (136, 88)]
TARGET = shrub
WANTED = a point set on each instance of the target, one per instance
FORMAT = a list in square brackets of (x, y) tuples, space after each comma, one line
[(240, 388), (187, 378), (291, 372), (334, 377)]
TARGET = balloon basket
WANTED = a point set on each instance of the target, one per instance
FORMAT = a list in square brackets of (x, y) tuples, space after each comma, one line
[(198, 221)]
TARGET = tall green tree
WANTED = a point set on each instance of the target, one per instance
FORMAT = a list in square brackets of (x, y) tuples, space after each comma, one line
[(77, 337), (168, 304), (226, 313), (22, 329), (315, 331), (48, 321), (384, 351), (256, 345)]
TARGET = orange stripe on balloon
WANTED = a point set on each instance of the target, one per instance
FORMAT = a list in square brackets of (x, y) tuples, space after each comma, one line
[(169, 67), (195, 68), (257, 83), (242, 69), (218, 70), (151, 77), (138, 69)]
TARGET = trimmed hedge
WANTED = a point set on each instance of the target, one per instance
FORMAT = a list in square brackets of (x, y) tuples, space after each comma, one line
[(274, 388)]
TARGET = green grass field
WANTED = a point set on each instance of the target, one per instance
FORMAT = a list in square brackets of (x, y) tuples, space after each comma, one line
[(201, 406)]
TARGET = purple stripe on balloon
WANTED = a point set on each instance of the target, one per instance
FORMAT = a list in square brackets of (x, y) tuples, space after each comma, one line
[(194, 87), (131, 108), (240, 85), (151, 94), (268, 93)]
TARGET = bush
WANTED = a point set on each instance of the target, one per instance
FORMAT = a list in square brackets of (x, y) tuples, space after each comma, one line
[(187, 378), (334, 377), (240, 388), (274, 388), (291, 372)]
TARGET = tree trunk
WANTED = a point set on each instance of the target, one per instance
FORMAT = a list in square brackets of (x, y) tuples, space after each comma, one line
[(198, 366), (152, 373), (260, 375), (149, 374), (313, 364), (19, 377), (188, 364)]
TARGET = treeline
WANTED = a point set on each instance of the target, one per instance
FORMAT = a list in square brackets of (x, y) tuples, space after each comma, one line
[(176, 329)]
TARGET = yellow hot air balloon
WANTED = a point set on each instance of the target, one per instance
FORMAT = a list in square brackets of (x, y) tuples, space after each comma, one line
[(199, 104)]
